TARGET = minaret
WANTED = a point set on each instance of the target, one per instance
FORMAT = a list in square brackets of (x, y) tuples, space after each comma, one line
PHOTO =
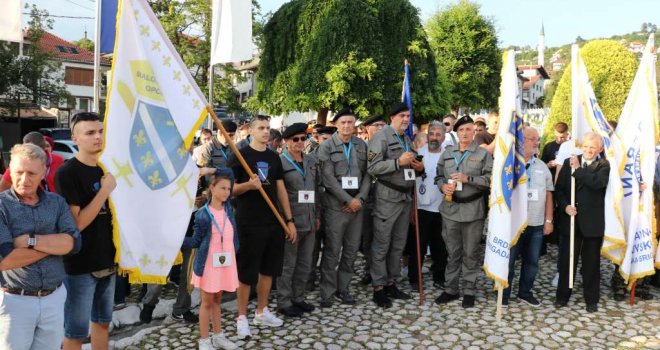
[(541, 48)]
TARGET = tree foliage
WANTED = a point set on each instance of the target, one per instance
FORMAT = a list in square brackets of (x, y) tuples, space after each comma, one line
[(465, 46), (34, 78), (611, 70), (328, 54), (86, 44)]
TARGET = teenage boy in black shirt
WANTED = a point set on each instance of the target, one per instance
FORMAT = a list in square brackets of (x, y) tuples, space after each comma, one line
[(261, 240)]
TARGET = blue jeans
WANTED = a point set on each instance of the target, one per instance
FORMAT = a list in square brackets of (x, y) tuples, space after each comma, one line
[(88, 298), (529, 246)]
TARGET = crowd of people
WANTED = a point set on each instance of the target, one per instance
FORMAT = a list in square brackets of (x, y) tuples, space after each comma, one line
[(341, 189)]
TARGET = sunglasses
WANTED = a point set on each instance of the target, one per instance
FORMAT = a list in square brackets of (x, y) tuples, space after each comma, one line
[(299, 139), (447, 123), (84, 117)]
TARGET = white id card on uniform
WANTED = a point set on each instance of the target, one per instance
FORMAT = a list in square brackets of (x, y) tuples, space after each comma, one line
[(459, 185), (349, 183), (533, 194), (221, 259), (305, 196), (409, 174)]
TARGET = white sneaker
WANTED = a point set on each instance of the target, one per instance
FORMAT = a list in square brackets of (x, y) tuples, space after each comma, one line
[(243, 327), (267, 319), (555, 281), (205, 344), (220, 341)]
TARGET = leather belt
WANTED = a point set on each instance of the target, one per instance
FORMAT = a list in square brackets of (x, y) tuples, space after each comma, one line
[(395, 187), (29, 293)]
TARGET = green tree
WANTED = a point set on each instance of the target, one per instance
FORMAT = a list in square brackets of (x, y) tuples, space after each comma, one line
[(34, 79), (324, 55), (611, 70), (465, 47), (86, 44)]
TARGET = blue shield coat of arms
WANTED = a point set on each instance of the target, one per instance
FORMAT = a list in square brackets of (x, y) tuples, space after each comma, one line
[(156, 146)]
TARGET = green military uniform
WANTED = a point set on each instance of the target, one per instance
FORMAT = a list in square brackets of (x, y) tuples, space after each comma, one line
[(464, 216), (393, 201)]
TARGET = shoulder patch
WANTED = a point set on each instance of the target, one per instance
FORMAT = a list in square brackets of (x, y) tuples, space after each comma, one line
[(371, 155)]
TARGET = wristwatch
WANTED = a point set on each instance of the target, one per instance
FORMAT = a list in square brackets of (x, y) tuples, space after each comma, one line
[(32, 241), (289, 220)]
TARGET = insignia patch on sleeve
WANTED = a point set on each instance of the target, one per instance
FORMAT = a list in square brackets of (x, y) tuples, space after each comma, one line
[(371, 155)]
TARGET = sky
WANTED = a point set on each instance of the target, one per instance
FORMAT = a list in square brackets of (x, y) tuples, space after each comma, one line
[(517, 22)]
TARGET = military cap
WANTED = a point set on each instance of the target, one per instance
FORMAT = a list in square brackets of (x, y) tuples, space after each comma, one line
[(373, 119), (341, 113), (463, 120), (229, 125), (398, 108), (327, 130), (294, 129)]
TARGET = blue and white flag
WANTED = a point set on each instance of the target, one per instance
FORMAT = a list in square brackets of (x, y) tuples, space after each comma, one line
[(154, 108), (108, 23), (508, 192), (638, 132), (406, 97)]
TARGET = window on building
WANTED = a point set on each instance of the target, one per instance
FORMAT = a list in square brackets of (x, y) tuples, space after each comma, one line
[(61, 48), (73, 50), (79, 76), (83, 103)]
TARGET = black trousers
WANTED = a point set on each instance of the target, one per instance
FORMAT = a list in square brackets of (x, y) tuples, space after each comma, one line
[(430, 234), (589, 249)]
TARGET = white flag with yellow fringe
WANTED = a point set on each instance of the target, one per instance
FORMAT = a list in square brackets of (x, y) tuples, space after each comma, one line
[(507, 217), (154, 107), (638, 132)]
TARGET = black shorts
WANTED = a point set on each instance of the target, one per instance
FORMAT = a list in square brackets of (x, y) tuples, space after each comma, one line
[(260, 251)]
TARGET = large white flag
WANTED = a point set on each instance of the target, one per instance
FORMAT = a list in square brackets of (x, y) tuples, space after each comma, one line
[(588, 117), (10, 21), (231, 31), (638, 131), (154, 108), (508, 191)]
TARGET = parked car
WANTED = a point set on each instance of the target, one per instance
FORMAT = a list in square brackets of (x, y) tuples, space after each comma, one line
[(67, 149), (57, 133)]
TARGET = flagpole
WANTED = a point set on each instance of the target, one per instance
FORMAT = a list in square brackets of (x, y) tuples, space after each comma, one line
[(97, 58), (500, 292), (571, 261), (240, 158), (211, 71), (420, 283)]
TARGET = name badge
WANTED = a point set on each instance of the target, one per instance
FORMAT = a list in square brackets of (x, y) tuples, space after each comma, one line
[(533, 195), (221, 259), (349, 183), (409, 174), (459, 185), (305, 196)]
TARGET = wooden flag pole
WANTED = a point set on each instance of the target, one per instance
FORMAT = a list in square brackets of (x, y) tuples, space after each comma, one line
[(500, 292), (420, 283), (272, 207), (571, 248), (632, 293)]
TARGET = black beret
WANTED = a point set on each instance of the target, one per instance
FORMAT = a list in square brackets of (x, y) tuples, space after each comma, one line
[(373, 119), (294, 129), (463, 120), (341, 113), (398, 108), (328, 130), (229, 125)]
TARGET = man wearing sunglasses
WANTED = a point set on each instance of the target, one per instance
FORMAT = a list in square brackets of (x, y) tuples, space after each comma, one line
[(343, 160), (451, 137), (300, 178)]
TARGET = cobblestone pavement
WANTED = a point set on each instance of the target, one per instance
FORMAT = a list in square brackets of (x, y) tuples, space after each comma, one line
[(407, 325)]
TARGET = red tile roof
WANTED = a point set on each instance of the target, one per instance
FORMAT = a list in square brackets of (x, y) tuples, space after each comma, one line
[(541, 70), (532, 81), (65, 50)]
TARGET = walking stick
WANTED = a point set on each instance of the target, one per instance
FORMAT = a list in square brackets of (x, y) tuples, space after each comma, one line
[(272, 207), (571, 261), (419, 256)]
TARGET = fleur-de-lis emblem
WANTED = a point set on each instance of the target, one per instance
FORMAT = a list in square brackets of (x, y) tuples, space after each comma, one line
[(167, 60), (144, 30), (147, 160), (182, 151), (155, 45), (139, 138), (155, 179), (177, 75), (509, 184), (508, 170)]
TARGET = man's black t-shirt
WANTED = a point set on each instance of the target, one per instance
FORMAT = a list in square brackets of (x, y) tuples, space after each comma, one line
[(550, 153), (251, 208), (78, 184)]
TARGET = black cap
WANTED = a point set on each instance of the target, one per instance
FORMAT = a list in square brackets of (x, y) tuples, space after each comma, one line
[(327, 130), (294, 129), (341, 113), (373, 119), (229, 125), (398, 108), (463, 120)]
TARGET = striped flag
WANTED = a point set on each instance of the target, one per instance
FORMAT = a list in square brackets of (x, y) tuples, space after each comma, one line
[(154, 108), (638, 131), (508, 192), (406, 97)]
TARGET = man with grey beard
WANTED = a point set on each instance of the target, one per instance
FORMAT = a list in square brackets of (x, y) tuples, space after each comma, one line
[(429, 219)]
